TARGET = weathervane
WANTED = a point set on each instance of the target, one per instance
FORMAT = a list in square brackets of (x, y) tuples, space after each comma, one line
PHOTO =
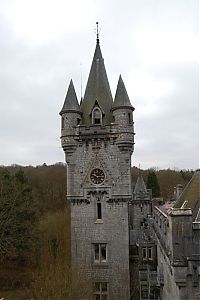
[(97, 32)]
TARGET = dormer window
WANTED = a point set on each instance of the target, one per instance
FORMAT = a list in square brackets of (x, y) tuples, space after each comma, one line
[(96, 116)]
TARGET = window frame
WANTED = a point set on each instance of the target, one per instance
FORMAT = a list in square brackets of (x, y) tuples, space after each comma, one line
[(98, 256), (100, 292), (148, 251), (96, 108), (150, 257), (99, 210), (144, 251)]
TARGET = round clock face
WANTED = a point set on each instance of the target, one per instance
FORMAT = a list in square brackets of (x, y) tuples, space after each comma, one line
[(97, 176)]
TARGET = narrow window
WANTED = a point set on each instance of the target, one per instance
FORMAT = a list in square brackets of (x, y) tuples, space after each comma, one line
[(96, 116), (100, 253), (144, 253), (78, 121), (143, 290), (129, 118), (100, 291), (62, 122), (103, 253), (99, 212), (96, 253), (149, 253)]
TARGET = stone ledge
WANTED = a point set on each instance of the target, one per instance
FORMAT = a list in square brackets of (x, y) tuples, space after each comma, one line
[(181, 212)]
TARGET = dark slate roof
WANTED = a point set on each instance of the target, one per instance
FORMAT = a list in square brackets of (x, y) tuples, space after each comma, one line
[(140, 192), (190, 197), (71, 101), (97, 88), (140, 185), (121, 96)]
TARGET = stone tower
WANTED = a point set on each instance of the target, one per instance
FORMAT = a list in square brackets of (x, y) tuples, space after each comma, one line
[(97, 138)]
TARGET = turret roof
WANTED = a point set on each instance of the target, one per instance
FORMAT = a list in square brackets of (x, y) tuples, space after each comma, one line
[(71, 101), (121, 96), (190, 197), (140, 185), (97, 88)]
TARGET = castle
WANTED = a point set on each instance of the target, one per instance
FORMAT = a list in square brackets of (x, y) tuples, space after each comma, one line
[(127, 247)]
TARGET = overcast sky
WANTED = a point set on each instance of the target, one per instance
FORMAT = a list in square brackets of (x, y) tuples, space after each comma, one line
[(151, 43)]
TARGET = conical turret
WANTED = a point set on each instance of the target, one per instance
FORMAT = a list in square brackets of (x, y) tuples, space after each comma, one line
[(70, 118), (71, 101), (140, 185), (122, 110), (97, 89), (121, 97), (140, 191)]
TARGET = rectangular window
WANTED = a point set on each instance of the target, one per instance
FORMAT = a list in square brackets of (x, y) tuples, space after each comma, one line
[(100, 253), (129, 118), (99, 213), (149, 253), (143, 291), (62, 122), (100, 291), (144, 253)]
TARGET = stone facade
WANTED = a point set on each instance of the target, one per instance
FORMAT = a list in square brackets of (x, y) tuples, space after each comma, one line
[(98, 156), (127, 246)]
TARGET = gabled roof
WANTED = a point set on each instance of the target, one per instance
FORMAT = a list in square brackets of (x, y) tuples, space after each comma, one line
[(71, 101), (97, 88), (190, 197), (121, 96)]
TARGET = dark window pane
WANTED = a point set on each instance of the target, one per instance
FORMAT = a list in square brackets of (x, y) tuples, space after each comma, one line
[(104, 287), (97, 286), (63, 122), (149, 253), (99, 216), (96, 116), (103, 252), (144, 252), (104, 297), (130, 118), (97, 121), (96, 252)]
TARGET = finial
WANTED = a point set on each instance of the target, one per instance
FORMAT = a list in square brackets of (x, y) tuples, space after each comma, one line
[(97, 33)]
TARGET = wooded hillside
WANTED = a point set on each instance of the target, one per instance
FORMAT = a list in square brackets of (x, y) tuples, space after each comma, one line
[(35, 229)]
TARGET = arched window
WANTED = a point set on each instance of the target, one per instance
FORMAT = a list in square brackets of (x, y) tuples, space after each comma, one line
[(96, 116)]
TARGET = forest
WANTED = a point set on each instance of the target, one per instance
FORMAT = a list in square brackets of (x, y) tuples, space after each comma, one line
[(35, 229)]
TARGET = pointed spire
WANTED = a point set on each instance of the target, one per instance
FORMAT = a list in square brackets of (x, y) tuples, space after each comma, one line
[(97, 88), (140, 186), (121, 96), (71, 101)]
